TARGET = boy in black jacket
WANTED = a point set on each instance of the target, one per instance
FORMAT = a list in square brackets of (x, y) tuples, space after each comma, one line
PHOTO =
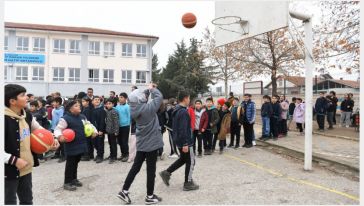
[(98, 120), (321, 109), (182, 136), (266, 113), (276, 115), (18, 157)]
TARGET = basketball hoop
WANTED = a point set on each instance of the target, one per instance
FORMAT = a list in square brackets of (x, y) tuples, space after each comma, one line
[(228, 22)]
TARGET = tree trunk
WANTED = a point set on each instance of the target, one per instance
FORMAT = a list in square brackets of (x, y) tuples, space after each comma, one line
[(226, 87), (274, 82)]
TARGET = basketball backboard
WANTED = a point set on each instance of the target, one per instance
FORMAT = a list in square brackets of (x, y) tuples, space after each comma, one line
[(247, 19)]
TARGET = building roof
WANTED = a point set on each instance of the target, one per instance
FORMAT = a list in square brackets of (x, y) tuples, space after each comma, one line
[(73, 29), (349, 83)]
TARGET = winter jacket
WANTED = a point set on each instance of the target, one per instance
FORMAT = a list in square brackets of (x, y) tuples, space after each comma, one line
[(57, 113), (225, 125), (347, 105), (87, 111), (277, 110), (144, 112), (285, 107), (213, 116), (299, 113), (98, 118), (238, 113), (169, 122), (49, 109), (124, 114), (321, 106), (162, 118), (202, 120), (249, 111), (112, 121), (266, 110), (41, 117), (332, 104), (291, 108), (191, 112), (182, 133), (132, 127)]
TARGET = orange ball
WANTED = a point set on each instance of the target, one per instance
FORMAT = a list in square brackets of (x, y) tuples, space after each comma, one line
[(69, 135), (189, 20), (41, 141)]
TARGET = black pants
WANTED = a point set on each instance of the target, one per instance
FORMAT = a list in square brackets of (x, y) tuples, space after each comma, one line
[(330, 116), (113, 145), (185, 158), (321, 121), (171, 142), (274, 126), (70, 172), (123, 139), (283, 127), (207, 141), (91, 147), (151, 158), (99, 144), (334, 117), (21, 187), (235, 130), (299, 126), (248, 133), (60, 150), (222, 144), (214, 141), (197, 137), (160, 151)]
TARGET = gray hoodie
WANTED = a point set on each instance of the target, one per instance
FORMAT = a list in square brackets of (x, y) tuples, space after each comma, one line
[(144, 113)]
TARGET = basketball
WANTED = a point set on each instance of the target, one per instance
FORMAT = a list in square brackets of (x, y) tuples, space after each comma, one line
[(89, 130), (69, 135), (221, 101), (189, 20), (41, 140)]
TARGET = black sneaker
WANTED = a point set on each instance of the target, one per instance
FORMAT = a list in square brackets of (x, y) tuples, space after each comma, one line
[(275, 138), (124, 197), (125, 158), (230, 146), (165, 175), (85, 158), (188, 186), (199, 155), (249, 146), (153, 200), (220, 152), (69, 187), (99, 160), (236, 147), (61, 159), (76, 183), (112, 160)]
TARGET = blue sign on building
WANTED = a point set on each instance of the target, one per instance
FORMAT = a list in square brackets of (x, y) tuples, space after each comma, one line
[(24, 58)]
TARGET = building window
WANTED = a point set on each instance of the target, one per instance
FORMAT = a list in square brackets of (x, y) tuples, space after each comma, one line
[(93, 75), (126, 76), (94, 48), (21, 73), (59, 45), (58, 74), (109, 49), (141, 50), (141, 77), (75, 47), (22, 43), (219, 89), (38, 44), (74, 74), (6, 43), (127, 50), (108, 75), (38, 73)]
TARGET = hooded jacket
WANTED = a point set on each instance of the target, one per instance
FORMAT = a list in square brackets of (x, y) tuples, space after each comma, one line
[(144, 113), (182, 133)]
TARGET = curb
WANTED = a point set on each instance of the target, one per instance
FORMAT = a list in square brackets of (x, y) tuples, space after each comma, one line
[(337, 136), (341, 165)]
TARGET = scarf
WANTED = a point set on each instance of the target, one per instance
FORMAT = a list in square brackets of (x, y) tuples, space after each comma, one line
[(24, 132)]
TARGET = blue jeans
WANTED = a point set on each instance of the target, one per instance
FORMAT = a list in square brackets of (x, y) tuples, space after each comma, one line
[(266, 126)]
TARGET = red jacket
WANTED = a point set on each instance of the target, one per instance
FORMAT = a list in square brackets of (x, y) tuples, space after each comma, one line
[(191, 112), (204, 121)]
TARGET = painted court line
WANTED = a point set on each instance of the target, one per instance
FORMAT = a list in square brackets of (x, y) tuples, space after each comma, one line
[(311, 184)]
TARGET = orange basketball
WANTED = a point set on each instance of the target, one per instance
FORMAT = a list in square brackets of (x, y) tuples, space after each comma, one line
[(69, 135), (189, 20), (41, 140)]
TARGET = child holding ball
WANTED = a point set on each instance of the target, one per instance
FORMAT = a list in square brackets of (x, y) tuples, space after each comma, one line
[(74, 120)]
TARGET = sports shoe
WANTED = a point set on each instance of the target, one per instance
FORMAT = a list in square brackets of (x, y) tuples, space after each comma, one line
[(347, 126), (249, 146), (152, 200), (112, 160), (69, 187), (99, 160), (85, 158), (163, 156), (125, 159), (188, 186), (199, 155), (173, 156), (124, 197), (220, 152), (165, 175), (61, 159), (254, 143), (76, 183)]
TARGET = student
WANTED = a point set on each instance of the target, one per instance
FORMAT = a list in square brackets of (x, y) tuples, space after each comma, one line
[(57, 114), (225, 125), (330, 111), (87, 111), (334, 101), (30, 98), (124, 126), (149, 140), (43, 114), (276, 115), (220, 104), (113, 98), (236, 121), (18, 157), (321, 106), (200, 127), (299, 115), (346, 108), (266, 113), (248, 120), (183, 138), (283, 121), (98, 120), (213, 116), (170, 108), (74, 120), (291, 108), (112, 128)]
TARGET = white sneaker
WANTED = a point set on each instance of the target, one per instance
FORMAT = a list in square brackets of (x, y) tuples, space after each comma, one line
[(254, 143), (347, 126), (173, 156)]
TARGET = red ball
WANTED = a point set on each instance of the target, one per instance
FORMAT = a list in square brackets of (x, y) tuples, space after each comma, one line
[(69, 135), (221, 101), (189, 20), (41, 141)]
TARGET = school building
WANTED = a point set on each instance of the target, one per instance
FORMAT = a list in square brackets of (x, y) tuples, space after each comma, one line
[(48, 58)]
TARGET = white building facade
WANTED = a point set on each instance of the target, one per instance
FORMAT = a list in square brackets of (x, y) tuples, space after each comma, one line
[(46, 59)]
